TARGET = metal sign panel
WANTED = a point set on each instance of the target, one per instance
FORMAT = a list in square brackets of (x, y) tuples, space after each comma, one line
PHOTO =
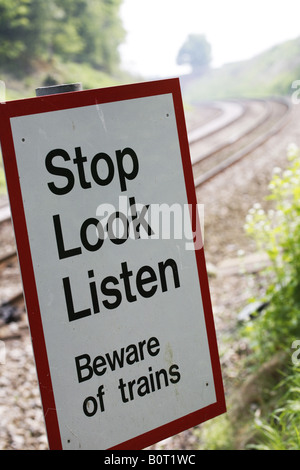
[(103, 206)]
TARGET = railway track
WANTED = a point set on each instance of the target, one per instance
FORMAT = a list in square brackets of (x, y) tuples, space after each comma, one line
[(235, 131), (239, 140), (229, 112)]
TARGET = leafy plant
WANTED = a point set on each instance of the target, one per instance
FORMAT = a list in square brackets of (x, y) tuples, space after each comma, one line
[(281, 430), (82, 31), (277, 232), (274, 407)]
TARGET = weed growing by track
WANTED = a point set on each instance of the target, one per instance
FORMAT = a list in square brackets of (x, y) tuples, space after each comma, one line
[(280, 431), (263, 407), (277, 233)]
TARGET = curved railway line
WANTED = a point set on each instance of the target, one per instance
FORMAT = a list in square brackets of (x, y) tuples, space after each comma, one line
[(261, 120), (231, 131)]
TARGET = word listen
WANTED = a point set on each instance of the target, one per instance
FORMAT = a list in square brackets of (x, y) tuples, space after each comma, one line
[(147, 283)]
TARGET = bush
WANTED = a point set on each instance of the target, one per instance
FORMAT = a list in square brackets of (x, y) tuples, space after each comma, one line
[(277, 232)]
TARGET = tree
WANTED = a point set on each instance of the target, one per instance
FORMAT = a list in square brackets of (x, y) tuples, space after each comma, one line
[(13, 25), (76, 30), (87, 31), (196, 51)]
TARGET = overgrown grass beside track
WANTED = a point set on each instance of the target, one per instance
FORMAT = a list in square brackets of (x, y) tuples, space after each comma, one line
[(58, 72), (263, 405)]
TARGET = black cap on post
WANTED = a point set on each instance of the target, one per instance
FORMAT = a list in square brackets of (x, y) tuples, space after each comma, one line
[(54, 89)]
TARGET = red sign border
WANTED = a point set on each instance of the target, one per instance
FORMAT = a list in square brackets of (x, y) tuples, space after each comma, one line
[(74, 100)]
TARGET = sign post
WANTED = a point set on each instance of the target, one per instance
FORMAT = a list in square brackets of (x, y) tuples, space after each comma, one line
[(112, 262)]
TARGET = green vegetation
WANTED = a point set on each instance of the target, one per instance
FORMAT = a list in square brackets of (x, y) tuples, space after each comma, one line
[(270, 73), (61, 72), (82, 31), (59, 41), (282, 429), (47, 43), (264, 410), (277, 233)]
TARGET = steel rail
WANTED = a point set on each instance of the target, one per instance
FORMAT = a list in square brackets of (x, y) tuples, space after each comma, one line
[(233, 140), (232, 111), (253, 145)]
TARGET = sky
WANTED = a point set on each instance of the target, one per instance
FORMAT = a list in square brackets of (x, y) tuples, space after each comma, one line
[(236, 30)]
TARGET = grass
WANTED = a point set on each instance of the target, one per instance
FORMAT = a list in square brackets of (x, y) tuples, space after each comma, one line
[(58, 72), (216, 434), (264, 408), (250, 397), (281, 431)]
